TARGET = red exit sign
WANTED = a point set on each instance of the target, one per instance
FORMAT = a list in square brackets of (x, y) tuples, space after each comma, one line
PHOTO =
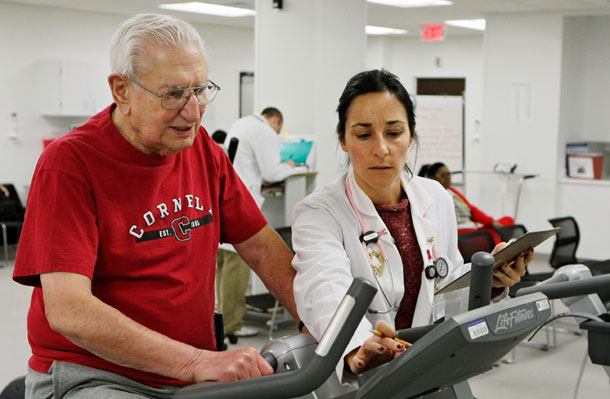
[(433, 33)]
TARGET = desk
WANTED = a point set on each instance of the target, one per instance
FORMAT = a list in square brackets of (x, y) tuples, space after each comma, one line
[(280, 199)]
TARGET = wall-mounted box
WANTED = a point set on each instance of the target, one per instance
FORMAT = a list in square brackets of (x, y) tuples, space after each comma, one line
[(72, 87), (586, 166), (590, 148)]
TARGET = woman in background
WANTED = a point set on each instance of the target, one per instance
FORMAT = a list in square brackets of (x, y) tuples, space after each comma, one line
[(469, 217)]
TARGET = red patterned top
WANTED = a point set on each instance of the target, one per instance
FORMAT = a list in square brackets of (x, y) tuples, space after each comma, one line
[(397, 219)]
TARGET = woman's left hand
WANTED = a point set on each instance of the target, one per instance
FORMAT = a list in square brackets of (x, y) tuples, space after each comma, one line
[(510, 273)]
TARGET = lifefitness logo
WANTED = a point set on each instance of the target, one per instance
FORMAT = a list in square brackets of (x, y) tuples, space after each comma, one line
[(507, 320), (180, 227)]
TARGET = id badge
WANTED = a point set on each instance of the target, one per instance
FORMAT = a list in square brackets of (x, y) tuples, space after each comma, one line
[(438, 308)]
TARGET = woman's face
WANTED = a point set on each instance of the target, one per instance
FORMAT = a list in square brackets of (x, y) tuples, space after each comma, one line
[(443, 176), (377, 138)]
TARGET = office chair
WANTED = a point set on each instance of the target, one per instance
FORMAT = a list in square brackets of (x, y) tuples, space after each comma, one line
[(507, 233), (566, 242), (232, 149), (14, 390), (473, 242), (286, 234), (12, 215), (564, 251)]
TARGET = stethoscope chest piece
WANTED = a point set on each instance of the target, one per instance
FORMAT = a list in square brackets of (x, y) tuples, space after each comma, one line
[(439, 268)]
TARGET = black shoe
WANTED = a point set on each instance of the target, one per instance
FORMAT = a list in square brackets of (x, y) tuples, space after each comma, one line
[(232, 338)]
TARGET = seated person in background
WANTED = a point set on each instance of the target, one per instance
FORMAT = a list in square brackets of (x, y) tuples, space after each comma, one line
[(4, 191), (409, 221), (125, 215), (469, 217)]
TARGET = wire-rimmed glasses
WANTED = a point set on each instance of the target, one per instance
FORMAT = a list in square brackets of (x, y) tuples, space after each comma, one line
[(174, 99)]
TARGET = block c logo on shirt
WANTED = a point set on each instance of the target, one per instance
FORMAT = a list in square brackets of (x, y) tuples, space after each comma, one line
[(182, 228)]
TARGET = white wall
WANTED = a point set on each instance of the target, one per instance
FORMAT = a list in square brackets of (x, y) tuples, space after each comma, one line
[(29, 33), (584, 116), (595, 120), (523, 49), (459, 57), (304, 58), (565, 62)]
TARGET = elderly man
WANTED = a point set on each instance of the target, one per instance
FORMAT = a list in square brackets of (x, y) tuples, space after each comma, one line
[(125, 215)]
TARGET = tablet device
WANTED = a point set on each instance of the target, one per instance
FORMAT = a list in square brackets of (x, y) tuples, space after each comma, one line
[(525, 242), (510, 252), (297, 151)]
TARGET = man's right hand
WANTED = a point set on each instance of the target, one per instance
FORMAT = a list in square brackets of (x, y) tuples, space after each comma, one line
[(73, 311), (233, 365), (290, 163)]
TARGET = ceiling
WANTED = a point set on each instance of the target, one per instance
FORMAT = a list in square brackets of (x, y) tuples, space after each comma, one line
[(412, 19)]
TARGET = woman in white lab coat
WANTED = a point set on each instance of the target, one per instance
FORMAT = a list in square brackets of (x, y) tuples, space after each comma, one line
[(381, 223)]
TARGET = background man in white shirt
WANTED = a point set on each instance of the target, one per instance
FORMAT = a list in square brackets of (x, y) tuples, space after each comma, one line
[(257, 160)]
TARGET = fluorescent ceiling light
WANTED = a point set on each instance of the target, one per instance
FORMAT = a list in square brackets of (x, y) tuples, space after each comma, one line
[(381, 30), (412, 3), (211, 9), (478, 24)]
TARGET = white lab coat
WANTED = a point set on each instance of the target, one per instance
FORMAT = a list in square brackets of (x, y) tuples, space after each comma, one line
[(258, 154), (329, 253)]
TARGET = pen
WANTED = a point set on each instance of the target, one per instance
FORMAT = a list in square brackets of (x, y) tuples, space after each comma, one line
[(400, 341)]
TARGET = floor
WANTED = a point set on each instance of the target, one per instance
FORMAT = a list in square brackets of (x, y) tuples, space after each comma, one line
[(536, 374)]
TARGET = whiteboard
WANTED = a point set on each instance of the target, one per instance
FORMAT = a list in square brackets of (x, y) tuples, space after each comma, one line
[(439, 123)]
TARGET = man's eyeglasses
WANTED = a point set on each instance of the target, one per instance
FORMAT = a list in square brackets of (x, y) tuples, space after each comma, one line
[(176, 98)]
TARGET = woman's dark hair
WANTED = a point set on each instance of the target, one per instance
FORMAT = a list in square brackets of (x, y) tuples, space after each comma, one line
[(375, 81), (429, 170)]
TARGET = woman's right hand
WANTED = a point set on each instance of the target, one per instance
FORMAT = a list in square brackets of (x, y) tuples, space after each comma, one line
[(375, 350)]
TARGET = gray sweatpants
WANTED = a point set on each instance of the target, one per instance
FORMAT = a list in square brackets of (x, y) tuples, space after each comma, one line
[(74, 381)]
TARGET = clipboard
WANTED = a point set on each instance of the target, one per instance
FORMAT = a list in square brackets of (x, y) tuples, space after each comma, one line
[(525, 242)]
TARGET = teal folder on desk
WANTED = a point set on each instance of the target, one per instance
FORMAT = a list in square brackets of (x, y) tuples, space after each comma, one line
[(298, 151)]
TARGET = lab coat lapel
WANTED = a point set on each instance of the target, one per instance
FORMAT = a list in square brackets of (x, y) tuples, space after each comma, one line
[(425, 230)]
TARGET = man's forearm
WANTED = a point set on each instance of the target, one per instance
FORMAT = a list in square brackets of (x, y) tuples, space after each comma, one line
[(104, 331), (271, 259)]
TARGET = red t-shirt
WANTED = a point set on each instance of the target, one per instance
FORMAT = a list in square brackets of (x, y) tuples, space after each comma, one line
[(144, 228)]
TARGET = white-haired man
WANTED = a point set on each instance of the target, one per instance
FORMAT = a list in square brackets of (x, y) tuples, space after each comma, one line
[(124, 219)]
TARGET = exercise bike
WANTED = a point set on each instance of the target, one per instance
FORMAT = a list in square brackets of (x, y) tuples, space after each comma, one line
[(436, 366)]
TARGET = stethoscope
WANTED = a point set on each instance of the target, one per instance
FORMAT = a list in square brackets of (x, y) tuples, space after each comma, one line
[(438, 269)]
